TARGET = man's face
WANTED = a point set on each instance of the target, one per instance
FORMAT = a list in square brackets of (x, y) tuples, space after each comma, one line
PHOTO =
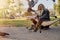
[(40, 7)]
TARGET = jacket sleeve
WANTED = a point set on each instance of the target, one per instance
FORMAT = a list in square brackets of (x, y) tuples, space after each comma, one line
[(45, 14)]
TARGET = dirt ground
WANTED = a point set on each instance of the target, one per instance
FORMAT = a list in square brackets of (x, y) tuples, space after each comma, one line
[(21, 33)]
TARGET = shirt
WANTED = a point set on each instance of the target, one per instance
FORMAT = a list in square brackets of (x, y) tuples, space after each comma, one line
[(39, 12)]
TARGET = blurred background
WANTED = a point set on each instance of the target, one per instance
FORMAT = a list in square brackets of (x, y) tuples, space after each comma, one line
[(15, 9)]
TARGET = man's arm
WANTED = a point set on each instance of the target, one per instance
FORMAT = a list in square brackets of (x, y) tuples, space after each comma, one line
[(35, 11)]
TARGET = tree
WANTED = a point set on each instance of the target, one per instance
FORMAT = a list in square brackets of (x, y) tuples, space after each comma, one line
[(15, 7), (57, 8)]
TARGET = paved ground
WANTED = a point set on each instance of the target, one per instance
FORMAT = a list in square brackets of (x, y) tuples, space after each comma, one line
[(21, 33)]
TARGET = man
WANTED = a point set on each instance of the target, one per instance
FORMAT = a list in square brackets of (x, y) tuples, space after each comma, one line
[(42, 15)]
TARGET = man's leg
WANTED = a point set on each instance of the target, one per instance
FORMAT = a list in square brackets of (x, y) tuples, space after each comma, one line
[(46, 27), (34, 24), (42, 27), (38, 25)]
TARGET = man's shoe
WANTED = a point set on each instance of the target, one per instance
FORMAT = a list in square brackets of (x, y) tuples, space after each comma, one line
[(32, 27), (36, 30)]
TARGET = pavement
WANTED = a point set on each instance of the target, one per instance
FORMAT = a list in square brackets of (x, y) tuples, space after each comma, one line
[(21, 33)]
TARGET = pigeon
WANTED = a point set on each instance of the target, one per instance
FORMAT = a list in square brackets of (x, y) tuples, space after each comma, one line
[(3, 34)]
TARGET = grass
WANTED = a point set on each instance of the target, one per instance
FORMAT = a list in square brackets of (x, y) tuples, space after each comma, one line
[(19, 23), (55, 24)]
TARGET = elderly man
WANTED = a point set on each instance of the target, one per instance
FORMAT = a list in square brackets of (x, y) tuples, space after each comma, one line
[(42, 15)]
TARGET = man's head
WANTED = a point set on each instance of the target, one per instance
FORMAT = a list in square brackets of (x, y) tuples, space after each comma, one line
[(41, 7)]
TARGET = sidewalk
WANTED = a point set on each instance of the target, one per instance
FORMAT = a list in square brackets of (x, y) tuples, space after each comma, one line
[(21, 33)]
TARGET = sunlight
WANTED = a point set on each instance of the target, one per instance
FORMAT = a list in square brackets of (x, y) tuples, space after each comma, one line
[(3, 3)]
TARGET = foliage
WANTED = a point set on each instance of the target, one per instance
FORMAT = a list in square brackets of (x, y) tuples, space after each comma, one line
[(57, 7), (11, 9)]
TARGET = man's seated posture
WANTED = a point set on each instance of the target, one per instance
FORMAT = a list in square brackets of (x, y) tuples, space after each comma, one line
[(42, 15)]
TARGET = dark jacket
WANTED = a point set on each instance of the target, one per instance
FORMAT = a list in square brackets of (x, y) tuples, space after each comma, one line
[(45, 15)]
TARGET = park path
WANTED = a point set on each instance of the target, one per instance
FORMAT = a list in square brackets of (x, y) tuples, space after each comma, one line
[(21, 33)]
